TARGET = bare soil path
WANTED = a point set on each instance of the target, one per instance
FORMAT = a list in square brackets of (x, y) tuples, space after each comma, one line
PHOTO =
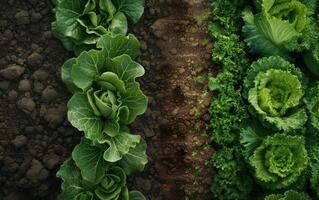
[(177, 60)]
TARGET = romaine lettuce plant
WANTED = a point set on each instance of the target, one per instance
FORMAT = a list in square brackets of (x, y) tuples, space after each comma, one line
[(279, 160), (288, 195), (279, 26), (80, 23), (106, 94), (274, 89), (111, 184)]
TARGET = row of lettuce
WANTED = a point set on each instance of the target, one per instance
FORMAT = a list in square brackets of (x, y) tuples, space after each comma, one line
[(106, 97), (265, 114)]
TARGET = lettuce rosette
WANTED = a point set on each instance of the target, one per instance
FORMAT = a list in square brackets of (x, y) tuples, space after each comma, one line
[(80, 23), (111, 184), (106, 95), (275, 89), (278, 160), (278, 27)]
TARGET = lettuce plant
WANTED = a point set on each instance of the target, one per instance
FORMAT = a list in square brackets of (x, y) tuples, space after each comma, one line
[(279, 26), (311, 59), (312, 103), (80, 23), (279, 160), (288, 195), (106, 94), (110, 186), (274, 89)]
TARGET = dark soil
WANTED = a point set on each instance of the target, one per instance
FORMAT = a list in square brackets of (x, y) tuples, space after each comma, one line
[(35, 135)]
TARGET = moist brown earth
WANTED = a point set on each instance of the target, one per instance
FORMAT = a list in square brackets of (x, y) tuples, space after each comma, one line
[(35, 135)]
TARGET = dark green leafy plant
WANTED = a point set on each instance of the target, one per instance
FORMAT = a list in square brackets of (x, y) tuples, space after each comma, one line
[(279, 160), (111, 184), (288, 195), (274, 89), (312, 103), (280, 26), (106, 93), (80, 23)]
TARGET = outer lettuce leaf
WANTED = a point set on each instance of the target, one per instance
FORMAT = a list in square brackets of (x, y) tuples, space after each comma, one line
[(135, 160), (311, 59), (136, 195), (275, 88), (132, 8), (288, 195), (280, 160), (312, 104)]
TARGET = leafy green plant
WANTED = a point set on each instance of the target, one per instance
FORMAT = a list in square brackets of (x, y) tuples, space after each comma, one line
[(312, 104), (106, 93), (288, 195), (311, 59), (80, 23), (279, 160), (111, 184), (279, 26), (274, 89)]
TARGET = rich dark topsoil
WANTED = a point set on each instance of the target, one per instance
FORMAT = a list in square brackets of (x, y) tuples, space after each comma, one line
[(35, 135)]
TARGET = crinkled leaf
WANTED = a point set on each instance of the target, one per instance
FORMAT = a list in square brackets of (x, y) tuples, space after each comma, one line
[(119, 24), (66, 74), (87, 66), (89, 159), (135, 159), (118, 45), (133, 9), (136, 195), (119, 145), (288, 195), (82, 117)]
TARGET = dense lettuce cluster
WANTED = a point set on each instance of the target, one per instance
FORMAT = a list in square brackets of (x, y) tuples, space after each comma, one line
[(265, 117)]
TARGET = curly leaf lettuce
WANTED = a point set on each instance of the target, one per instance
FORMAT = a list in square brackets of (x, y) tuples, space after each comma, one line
[(279, 160), (80, 23), (288, 195), (274, 89), (279, 27)]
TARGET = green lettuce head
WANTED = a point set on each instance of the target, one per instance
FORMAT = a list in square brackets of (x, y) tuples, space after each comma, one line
[(288, 195), (274, 89), (106, 94), (80, 23), (280, 26), (111, 184), (279, 160)]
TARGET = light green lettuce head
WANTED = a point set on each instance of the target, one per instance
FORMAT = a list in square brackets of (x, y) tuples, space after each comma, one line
[(279, 160), (274, 89), (288, 195)]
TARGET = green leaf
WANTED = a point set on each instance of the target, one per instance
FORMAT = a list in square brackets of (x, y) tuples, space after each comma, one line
[(288, 195), (87, 66), (119, 24), (72, 185), (135, 160), (66, 75), (82, 117), (136, 195), (119, 145), (89, 159), (133, 9), (118, 45)]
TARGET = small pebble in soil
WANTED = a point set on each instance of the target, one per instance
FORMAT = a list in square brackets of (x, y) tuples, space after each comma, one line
[(26, 104), (12, 72), (19, 141)]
